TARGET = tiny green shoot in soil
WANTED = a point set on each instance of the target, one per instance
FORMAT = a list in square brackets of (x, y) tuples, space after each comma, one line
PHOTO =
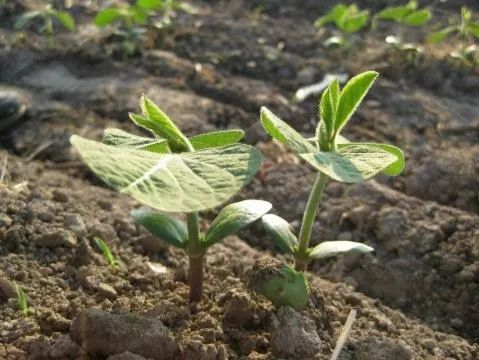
[(172, 173), (22, 301), (105, 249), (334, 158), (48, 14)]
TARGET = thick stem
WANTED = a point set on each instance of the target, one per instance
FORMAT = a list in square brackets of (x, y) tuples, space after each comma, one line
[(195, 253), (301, 256)]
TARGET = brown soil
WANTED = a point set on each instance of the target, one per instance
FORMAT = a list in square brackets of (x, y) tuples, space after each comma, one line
[(417, 297)]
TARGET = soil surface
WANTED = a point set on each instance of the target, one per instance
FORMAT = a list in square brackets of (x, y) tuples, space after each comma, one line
[(416, 296)]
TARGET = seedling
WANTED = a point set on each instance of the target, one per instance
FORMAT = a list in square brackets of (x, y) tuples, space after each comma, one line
[(335, 158), (105, 249), (348, 19), (48, 14), (175, 174), (133, 19), (406, 15), (22, 301), (465, 31)]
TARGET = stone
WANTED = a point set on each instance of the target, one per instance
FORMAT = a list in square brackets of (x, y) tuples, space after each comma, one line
[(383, 350), (293, 335), (56, 238), (103, 333)]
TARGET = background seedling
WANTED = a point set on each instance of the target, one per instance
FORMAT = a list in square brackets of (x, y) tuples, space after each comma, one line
[(335, 158), (175, 174), (406, 15), (347, 18), (464, 31), (132, 20), (105, 249), (48, 14), (22, 300)]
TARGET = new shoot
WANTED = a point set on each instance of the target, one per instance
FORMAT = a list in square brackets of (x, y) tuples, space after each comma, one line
[(335, 158), (172, 173), (22, 301), (105, 249)]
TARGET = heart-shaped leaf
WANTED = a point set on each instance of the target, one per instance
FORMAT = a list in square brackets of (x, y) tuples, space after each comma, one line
[(353, 163), (284, 133), (216, 139), (233, 218), (281, 232), (351, 96), (395, 168), (332, 248), (120, 138), (161, 125), (163, 226), (184, 182)]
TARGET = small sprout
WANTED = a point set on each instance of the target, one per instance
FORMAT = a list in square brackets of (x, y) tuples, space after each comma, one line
[(105, 249), (334, 157), (408, 15), (347, 18), (172, 173), (279, 283), (22, 301), (48, 14), (465, 31)]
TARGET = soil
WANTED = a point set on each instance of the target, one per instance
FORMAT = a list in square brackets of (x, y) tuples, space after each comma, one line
[(417, 296)]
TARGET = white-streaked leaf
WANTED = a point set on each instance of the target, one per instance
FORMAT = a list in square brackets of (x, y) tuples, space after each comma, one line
[(162, 126), (118, 137), (23, 19), (395, 168), (284, 133), (333, 248), (185, 182), (351, 164), (216, 139), (163, 226), (233, 218), (281, 232), (351, 96)]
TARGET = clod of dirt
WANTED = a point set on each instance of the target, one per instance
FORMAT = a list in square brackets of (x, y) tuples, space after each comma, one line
[(103, 333), (12, 107), (292, 334), (7, 290), (56, 239), (383, 350), (126, 356)]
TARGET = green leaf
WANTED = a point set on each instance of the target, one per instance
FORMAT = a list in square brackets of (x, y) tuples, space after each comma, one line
[(184, 182), (474, 29), (162, 226), (395, 168), (439, 36), (22, 301), (333, 248), (216, 138), (356, 22), (334, 15), (396, 13), (233, 218), (351, 164), (351, 96), (105, 249), (25, 18), (417, 18), (107, 16), (150, 4), (327, 113), (65, 18), (120, 138), (162, 126), (284, 133), (281, 232)]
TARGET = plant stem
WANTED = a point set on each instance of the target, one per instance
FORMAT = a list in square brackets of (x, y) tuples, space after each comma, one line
[(301, 256), (195, 254)]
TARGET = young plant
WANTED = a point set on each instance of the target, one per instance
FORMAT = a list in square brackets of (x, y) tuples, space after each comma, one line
[(48, 14), (406, 15), (347, 18), (105, 249), (334, 158), (22, 301), (464, 31), (176, 174), (133, 19)]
